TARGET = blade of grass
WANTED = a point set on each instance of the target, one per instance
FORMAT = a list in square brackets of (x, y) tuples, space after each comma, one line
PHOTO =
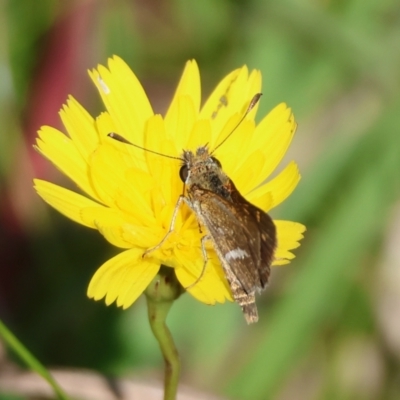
[(30, 360)]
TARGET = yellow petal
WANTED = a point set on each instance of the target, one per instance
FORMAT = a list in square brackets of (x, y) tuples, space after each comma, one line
[(212, 286), (123, 278), (236, 101), (280, 261), (114, 235), (131, 155), (288, 236), (280, 187), (189, 85), (94, 216), (199, 136), (233, 153), (264, 201), (142, 236), (109, 223), (273, 136), (213, 105), (282, 256), (80, 126), (105, 125), (226, 100), (253, 87), (61, 151), (66, 202), (245, 179), (124, 97), (159, 165), (130, 201), (180, 120), (109, 175)]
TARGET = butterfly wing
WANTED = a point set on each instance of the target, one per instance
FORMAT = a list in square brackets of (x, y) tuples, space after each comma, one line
[(244, 235), (244, 239), (262, 225)]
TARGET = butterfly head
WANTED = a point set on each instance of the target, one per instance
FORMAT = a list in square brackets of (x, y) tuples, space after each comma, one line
[(202, 170)]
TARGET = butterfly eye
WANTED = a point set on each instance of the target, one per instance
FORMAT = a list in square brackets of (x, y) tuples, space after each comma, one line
[(216, 162), (184, 173)]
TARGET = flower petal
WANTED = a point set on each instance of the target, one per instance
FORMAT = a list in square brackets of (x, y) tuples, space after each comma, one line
[(189, 85), (77, 120), (199, 136), (164, 170), (264, 201), (273, 136), (180, 120), (247, 176), (114, 235), (124, 97), (212, 286), (184, 108), (280, 187), (66, 202), (288, 236), (230, 97), (61, 151), (105, 125), (109, 222), (216, 103), (110, 176), (142, 236), (123, 278)]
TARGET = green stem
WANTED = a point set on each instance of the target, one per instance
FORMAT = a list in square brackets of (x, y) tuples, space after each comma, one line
[(160, 295)]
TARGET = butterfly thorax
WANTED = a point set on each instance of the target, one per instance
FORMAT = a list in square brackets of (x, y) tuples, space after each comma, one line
[(205, 172)]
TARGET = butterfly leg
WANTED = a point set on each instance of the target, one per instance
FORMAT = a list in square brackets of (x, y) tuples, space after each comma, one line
[(205, 258), (171, 227)]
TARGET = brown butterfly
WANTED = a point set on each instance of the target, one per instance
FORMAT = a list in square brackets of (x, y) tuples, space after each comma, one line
[(243, 236)]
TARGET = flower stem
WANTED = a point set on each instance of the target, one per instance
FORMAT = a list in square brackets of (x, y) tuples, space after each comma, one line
[(160, 295)]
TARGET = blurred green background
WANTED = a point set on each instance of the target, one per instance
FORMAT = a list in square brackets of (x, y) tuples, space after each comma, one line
[(330, 321)]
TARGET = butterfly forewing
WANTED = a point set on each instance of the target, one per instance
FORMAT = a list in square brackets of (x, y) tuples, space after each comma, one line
[(259, 223), (244, 236)]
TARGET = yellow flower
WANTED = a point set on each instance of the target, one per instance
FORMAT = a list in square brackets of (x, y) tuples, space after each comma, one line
[(130, 194)]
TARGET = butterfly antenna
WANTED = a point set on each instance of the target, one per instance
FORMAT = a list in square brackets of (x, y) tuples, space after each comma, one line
[(121, 139), (252, 103)]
